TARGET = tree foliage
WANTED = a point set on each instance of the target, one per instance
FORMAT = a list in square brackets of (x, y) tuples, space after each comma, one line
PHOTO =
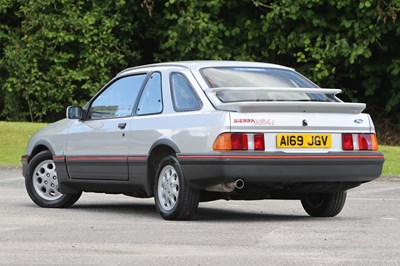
[(59, 52)]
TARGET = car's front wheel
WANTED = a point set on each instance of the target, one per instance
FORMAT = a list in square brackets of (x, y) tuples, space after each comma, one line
[(174, 199), (42, 183), (324, 204)]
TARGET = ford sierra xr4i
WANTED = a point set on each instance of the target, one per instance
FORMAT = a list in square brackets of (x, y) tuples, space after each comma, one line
[(186, 132)]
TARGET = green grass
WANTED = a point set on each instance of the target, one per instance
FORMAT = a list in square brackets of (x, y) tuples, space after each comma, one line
[(13, 139), (391, 167), (15, 135)]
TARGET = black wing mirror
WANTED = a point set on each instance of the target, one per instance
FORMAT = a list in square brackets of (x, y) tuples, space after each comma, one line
[(74, 112)]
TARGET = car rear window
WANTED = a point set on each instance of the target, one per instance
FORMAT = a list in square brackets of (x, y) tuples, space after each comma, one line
[(251, 77)]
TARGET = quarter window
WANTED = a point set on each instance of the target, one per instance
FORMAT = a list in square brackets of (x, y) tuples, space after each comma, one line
[(184, 97), (118, 99), (151, 99)]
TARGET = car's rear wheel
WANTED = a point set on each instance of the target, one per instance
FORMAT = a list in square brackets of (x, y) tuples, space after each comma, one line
[(324, 204), (174, 199), (42, 183)]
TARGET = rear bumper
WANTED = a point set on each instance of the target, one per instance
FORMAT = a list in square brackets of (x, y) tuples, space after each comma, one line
[(256, 168)]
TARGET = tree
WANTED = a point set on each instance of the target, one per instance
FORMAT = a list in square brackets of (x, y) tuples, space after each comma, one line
[(343, 44), (60, 52)]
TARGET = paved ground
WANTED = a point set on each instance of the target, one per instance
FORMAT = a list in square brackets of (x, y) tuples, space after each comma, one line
[(118, 230)]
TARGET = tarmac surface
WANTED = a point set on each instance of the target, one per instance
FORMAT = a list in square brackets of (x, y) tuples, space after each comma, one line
[(105, 229)]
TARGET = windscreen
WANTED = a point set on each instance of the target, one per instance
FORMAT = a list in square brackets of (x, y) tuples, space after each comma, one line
[(248, 77)]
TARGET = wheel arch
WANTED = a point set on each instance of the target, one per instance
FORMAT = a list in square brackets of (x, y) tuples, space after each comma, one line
[(39, 147), (168, 143), (158, 150)]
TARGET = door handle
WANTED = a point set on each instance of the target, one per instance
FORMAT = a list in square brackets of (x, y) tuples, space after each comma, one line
[(121, 125)]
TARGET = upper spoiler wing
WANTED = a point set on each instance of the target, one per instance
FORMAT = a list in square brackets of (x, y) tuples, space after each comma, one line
[(283, 106)]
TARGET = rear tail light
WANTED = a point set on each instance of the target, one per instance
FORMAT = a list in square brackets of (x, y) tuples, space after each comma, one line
[(259, 144), (362, 142), (347, 142), (248, 141), (367, 142), (239, 142)]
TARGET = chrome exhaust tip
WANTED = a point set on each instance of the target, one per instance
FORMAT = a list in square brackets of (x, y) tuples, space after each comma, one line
[(239, 184), (226, 187)]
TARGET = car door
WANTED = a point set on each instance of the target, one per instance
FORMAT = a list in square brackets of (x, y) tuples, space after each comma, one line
[(97, 147)]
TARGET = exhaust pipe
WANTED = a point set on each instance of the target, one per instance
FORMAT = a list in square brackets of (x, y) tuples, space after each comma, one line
[(239, 184), (226, 187)]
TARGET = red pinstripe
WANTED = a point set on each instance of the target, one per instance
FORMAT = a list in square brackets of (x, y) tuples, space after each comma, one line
[(102, 158), (99, 158), (280, 157)]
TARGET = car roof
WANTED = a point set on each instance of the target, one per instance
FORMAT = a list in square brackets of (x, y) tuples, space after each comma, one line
[(203, 64)]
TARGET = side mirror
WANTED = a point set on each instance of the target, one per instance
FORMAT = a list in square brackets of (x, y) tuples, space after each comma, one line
[(74, 112)]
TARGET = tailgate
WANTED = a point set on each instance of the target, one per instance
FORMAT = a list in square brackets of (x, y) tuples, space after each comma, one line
[(307, 126)]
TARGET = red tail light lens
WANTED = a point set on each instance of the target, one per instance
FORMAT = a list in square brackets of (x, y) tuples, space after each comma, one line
[(347, 142), (239, 142), (259, 144), (364, 141), (367, 142)]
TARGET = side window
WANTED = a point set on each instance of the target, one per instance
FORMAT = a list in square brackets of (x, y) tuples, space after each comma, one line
[(118, 99), (184, 97), (151, 99)]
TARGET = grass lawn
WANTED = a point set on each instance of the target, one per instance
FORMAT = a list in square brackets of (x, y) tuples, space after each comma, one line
[(14, 137), (391, 167)]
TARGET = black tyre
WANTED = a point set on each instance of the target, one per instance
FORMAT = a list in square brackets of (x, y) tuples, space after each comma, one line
[(42, 183), (324, 204), (174, 199)]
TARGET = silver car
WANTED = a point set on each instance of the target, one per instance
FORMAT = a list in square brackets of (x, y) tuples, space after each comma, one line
[(185, 132)]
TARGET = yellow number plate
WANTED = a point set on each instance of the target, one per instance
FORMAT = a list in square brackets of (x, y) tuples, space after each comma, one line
[(303, 141)]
